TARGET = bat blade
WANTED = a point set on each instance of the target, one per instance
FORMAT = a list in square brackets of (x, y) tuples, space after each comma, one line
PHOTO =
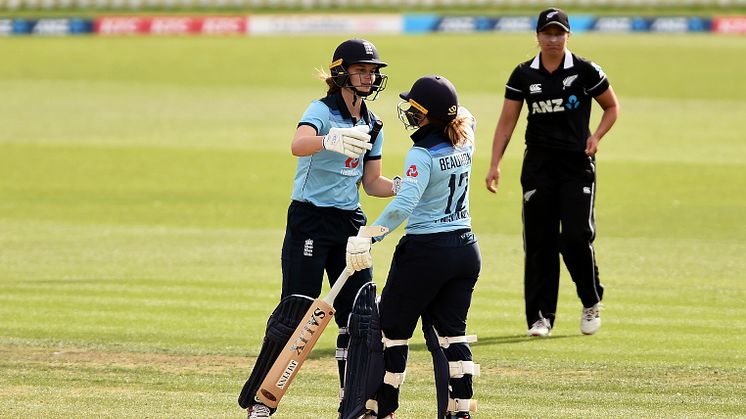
[(288, 363)]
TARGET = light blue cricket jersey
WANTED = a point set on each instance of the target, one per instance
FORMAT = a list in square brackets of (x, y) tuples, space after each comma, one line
[(327, 178), (435, 189)]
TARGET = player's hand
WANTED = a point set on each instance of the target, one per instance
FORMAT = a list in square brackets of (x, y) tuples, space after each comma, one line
[(591, 146), (396, 186), (358, 255), (352, 142), (492, 179)]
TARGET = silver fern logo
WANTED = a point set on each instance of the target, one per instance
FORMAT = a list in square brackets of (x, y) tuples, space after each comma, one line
[(567, 82), (528, 195)]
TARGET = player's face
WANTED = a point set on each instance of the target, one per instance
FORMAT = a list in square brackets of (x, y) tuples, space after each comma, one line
[(553, 40), (362, 76)]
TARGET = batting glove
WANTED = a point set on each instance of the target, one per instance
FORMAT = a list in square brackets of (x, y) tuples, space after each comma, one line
[(396, 187), (352, 142), (358, 255)]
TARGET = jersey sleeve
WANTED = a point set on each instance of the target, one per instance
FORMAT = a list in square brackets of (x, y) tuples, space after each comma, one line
[(416, 177), (595, 79), (317, 116), (513, 87)]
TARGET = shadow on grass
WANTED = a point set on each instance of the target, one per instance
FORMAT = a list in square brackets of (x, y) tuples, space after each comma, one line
[(318, 353)]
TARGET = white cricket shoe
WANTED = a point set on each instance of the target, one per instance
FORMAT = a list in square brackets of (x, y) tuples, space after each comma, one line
[(259, 411), (540, 328), (590, 320)]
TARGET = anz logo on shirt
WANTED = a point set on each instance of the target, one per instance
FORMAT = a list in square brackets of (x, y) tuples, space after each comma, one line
[(555, 105)]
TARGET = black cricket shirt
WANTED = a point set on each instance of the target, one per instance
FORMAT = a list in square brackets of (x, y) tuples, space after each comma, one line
[(559, 103)]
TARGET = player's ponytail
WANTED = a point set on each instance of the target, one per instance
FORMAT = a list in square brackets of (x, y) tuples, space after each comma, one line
[(332, 86), (459, 130)]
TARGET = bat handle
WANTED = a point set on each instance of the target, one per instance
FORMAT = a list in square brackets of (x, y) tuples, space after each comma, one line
[(337, 287), (377, 125)]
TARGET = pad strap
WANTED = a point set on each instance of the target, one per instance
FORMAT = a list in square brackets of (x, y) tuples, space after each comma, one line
[(390, 343), (458, 369), (462, 405), (394, 379), (446, 341), (341, 354)]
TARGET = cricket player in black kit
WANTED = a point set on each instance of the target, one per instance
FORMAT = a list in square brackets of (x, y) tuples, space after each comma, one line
[(559, 170)]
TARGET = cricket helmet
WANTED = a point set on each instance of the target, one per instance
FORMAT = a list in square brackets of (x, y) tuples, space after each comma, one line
[(433, 97), (357, 51)]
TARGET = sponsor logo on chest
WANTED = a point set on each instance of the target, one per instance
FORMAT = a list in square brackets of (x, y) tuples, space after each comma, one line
[(555, 105)]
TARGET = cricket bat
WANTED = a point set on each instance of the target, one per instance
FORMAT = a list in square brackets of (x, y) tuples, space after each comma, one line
[(299, 345)]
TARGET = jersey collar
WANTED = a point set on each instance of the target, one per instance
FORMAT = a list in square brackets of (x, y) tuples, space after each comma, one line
[(428, 135), (569, 62), (338, 102)]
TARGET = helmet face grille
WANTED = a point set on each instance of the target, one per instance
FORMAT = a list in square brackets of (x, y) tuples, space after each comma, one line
[(409, 114)]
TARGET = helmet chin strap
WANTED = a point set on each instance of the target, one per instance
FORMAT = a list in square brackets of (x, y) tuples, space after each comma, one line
[(357, 94)]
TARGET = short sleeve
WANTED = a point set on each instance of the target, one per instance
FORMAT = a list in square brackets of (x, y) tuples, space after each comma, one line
[(513, 87), (595, 79), (317, 116)]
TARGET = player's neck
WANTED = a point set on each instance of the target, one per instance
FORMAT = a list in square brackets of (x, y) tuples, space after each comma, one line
[(354, 103), (552, 62)]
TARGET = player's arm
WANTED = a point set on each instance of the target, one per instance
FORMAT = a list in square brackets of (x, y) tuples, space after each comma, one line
[(417, 176), (374, 183), (306, 141), (505, 125), (609, 103)]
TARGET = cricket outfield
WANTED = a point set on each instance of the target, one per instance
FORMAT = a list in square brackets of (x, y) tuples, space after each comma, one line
[(143, 190)]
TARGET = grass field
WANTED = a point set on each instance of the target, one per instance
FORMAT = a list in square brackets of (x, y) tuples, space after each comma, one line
[(143, 189)]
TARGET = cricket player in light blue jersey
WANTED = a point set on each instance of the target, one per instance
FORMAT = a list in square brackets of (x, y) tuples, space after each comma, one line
[(437, 263), (338, 143)]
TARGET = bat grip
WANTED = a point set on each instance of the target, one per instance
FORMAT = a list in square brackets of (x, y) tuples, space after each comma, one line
[(377, 125)]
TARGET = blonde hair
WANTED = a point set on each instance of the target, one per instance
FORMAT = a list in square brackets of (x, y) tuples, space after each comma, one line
[(329, 80), (459, 130)]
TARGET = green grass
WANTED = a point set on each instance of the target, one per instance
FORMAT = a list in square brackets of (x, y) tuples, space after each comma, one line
[(143, 189)]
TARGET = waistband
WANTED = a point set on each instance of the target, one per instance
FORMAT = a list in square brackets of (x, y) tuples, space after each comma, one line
[(455, 238), (324, 210)]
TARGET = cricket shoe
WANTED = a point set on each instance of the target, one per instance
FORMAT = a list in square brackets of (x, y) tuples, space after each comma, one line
[(372, 415), (540, 328), (460, 415), (259, 411), (590, 320)]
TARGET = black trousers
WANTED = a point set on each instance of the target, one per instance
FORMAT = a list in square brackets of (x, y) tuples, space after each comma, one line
[(431, 276), (315, 241), (559, 189)]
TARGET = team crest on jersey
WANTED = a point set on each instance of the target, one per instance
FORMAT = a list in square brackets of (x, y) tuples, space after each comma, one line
[(412, 171), (567, 82), (534, 89)]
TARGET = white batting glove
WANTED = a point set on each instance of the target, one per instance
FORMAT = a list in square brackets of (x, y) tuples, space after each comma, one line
[(352, 142), (396, 187), (358, 255)]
